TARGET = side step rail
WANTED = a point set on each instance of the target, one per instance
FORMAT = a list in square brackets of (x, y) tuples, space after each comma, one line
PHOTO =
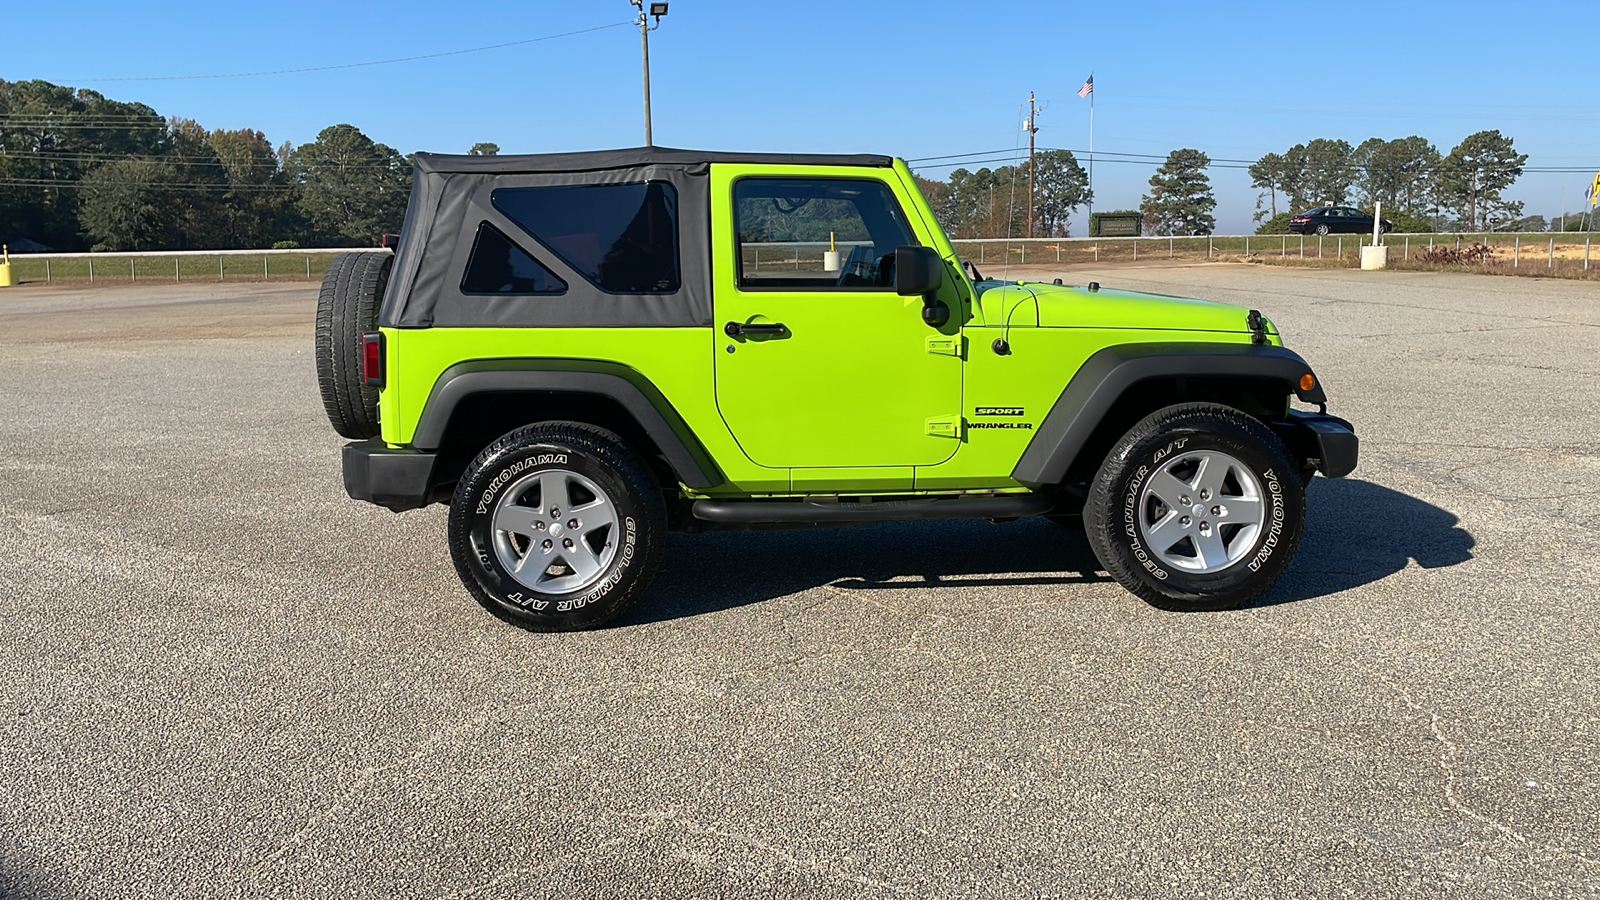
[(801, 512)]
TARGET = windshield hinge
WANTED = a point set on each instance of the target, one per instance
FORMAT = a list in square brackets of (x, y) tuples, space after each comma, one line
[(945, 426)]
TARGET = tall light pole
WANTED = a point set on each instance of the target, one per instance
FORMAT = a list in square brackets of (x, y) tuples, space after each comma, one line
[(658, 10)]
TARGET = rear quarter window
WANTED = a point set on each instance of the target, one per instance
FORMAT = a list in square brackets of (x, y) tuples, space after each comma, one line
[(623, 238)]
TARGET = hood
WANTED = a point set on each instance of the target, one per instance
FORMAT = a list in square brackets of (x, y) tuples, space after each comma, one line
[(1070, 306)]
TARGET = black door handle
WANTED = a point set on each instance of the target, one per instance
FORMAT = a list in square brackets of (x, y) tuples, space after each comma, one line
[(735, 329)]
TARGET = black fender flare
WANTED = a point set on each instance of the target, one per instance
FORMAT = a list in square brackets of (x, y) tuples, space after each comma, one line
[(627, 387), (1103, 378)]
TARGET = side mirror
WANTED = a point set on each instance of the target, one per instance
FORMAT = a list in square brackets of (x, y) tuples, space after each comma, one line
[(919, 270)]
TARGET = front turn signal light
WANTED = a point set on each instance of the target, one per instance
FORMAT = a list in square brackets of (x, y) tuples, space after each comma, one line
[(1307, 382)]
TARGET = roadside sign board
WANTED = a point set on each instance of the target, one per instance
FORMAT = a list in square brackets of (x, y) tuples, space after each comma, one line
[(1115, 225)]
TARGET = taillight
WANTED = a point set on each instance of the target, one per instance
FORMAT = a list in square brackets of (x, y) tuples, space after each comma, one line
[(372, 358)]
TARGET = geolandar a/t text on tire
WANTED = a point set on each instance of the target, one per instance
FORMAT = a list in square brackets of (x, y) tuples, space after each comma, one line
[(556, 526), (1197, 507), (582, 352)]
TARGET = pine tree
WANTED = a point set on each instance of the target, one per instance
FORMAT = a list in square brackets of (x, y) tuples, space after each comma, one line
[(1180, 199), (1473, 176)]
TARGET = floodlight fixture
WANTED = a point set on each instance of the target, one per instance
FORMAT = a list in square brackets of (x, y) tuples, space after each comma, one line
[(658, 10)]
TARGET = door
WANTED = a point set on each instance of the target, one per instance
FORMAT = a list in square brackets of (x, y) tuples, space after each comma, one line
[(819, 363)]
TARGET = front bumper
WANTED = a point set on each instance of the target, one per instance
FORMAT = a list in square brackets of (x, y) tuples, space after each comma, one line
[(1327, 442), (397, 479)]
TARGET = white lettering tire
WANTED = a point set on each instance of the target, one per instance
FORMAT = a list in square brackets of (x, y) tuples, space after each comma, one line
[(556, 526), (1197, 507)]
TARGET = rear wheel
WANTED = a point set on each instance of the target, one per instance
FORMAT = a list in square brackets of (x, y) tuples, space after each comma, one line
[(1198, 507), (347, 308), (556, 527), (1322, 229)]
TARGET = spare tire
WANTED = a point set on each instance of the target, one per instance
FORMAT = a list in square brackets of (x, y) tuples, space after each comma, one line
[(347, 308)]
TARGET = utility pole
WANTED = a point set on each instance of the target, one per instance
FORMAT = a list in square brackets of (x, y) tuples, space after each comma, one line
[(658, 10), (1033, 129)]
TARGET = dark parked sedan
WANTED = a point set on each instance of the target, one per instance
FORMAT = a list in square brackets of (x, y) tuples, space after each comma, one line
[(1334, 220)]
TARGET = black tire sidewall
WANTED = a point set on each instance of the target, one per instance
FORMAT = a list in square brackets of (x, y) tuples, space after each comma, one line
[(1115, 530), (472, 532), (347, 308)]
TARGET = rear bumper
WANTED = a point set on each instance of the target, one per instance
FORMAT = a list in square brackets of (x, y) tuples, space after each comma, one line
[(1327, 442), (395, 479)]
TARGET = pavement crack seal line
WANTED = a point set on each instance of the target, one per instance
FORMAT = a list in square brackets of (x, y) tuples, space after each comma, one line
[(833, 873), (1449, 752), (366, 777), (499, 879)]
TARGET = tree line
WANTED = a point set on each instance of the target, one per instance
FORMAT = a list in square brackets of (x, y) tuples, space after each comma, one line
[(994, 202), (1421, 189), (79, 171)]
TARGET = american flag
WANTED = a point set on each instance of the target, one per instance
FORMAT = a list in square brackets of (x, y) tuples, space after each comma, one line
[(1088, 87)]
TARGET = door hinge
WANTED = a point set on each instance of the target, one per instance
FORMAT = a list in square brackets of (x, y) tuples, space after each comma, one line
[(942, 345), (945, 426)]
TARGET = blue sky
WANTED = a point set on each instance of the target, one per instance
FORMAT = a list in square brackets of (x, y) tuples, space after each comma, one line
[(911, 79)]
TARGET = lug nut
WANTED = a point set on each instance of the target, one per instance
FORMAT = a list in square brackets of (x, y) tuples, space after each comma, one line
[(555, 512), (567, 543), (1185, 501), (1185, 521), (1205, 527), (1204, 496), (572, 523), (539, 525), (548, 544), (1217, 510)]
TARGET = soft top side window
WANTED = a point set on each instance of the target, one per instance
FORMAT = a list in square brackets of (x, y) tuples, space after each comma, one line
[(623, 238), (499, 266)]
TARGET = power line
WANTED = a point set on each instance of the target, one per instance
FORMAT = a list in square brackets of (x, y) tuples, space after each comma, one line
[(196, 161), (219, 187), (357, 65), (1004, 155)]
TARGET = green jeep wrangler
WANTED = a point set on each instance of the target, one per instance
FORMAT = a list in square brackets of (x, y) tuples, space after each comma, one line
[(580, 352)]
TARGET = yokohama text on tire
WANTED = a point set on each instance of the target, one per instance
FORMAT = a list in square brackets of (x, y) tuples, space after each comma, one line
[(1198, 507), (556, 526)]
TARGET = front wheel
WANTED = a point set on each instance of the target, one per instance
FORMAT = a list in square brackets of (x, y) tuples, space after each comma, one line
[(1198, 507), (556, 526)]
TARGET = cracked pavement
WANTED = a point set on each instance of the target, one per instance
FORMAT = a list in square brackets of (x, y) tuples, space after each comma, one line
[(220, 677)]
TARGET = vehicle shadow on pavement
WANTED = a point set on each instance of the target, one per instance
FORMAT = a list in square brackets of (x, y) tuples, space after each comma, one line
[(1358, 532), (707, 573)]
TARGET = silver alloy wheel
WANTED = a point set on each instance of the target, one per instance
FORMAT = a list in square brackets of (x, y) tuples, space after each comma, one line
[(1201, 511), (555, 531)]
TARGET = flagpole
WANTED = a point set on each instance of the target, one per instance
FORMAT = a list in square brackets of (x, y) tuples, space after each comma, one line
[(1091, 154)]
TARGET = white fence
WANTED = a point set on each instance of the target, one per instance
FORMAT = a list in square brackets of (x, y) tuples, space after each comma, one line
[(1553, 249), (1563, 250), (178, 265)]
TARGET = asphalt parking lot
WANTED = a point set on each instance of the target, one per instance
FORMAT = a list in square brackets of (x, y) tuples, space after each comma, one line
[(220, 677)]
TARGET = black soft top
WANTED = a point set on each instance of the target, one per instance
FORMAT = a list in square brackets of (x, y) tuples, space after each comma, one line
[(599, 160), (452, 196)]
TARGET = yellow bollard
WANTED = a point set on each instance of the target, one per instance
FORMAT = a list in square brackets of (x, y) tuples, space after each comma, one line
[(5, 267)]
